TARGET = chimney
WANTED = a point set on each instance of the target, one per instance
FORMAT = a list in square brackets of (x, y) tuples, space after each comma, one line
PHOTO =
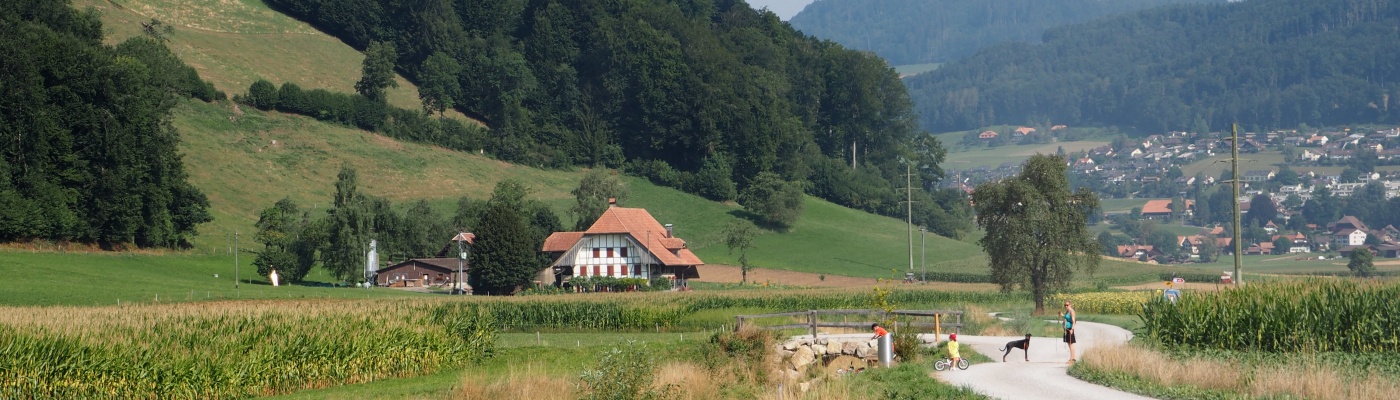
[(612, 202), (669, 230)]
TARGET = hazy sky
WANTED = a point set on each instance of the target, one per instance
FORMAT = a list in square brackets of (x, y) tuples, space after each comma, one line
[(784, 8)]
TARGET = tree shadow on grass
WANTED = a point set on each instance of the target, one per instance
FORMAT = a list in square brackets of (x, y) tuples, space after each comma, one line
[(760, 222)]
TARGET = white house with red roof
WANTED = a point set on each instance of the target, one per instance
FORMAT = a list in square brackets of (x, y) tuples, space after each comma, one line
[(622, 243)]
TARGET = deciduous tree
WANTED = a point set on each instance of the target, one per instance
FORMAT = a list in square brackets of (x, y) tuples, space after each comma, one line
[(377, 71), (592, 194), (1361, 262), (739, 235), (776, 201), (1036, 232)]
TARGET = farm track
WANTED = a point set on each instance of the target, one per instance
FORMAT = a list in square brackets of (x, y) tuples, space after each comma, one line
[(733, 274), (1044, 377)]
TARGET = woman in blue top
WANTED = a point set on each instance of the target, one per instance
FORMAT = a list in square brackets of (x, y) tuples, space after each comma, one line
[(1070, 320)]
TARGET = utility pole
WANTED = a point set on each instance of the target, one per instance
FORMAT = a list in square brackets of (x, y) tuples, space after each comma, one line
[(235, 260), (1235, 184), (923, 253), (909, 209)]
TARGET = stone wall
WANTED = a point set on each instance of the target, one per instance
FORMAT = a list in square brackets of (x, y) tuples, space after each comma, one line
[(802, 353)]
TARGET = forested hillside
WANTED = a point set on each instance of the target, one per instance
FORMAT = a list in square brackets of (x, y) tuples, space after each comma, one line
[(938, 31), (1263, 63), (89, 154), (696, 94)]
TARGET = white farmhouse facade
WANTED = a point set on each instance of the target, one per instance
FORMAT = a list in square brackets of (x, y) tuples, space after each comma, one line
[(1349, 237), (622, 243)]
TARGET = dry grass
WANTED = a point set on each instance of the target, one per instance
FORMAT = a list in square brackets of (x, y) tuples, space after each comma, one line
[(1157, 367), (1320, 381), (687, 381), (529, 382), (681, 380), (1305, 380)]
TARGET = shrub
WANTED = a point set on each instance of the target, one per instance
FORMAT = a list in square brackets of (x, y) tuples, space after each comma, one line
[(621, 374), (656, 171), (262, 95)]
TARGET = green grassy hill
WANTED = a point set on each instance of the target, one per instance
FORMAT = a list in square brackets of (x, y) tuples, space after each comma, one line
[(246, 163), (233, 43), (246, 160)]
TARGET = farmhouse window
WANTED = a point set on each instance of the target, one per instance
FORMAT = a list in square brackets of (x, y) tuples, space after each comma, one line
[(610, 270), (610, 252), (637, 269), (597, 252), (624, 252), (597, 270)]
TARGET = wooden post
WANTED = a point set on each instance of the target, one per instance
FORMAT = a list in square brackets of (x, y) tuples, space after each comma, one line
[(738, 323), (937, 329), (812, 320)]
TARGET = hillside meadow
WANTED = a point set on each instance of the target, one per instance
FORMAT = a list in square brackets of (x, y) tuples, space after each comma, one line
[(236, 42)]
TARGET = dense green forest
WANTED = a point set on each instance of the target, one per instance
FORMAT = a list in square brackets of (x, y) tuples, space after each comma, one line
[(938, 31), (88, 153), (1263, 63), (697, 94)]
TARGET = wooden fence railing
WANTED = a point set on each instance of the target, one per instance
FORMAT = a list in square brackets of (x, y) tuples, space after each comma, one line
[(814, 319)]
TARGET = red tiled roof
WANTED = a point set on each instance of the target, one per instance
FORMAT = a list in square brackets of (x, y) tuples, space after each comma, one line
[(1157, 207), (468, 237), (561, 241), (639, 224)]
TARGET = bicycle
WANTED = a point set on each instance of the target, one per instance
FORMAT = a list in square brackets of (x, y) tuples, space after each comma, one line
[(945, 362)]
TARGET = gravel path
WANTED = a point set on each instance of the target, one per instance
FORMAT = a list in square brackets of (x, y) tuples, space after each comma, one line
[(1044, 376)]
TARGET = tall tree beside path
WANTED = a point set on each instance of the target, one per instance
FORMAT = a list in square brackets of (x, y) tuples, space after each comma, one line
[(1037, 231)]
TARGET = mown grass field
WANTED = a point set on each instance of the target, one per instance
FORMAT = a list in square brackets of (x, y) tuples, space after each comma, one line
[(45, 278), (1121, 205), (1268, 159), (982, 156), (915, 69), (233, 43)]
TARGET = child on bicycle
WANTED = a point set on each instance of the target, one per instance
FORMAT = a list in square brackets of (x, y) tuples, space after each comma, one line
[(953, 349)]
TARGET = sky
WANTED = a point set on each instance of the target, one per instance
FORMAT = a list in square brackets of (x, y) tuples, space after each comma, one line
[(784, 8)]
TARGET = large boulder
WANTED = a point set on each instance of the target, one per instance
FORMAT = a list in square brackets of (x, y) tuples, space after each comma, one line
[(803, 357), (850, 347)]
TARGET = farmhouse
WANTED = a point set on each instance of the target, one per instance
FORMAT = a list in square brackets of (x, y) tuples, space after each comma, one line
[(622, 243), (1161, 208), (420, 272), (987, 135), (424, 272)]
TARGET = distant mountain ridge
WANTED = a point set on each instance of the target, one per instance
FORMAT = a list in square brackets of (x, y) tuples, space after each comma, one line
[(935, 31), (1261, 63)]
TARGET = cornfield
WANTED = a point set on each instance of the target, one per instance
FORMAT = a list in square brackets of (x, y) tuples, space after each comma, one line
[(1310, 315), (218, 350), (1128, 303), (635, 311), (221, 350)]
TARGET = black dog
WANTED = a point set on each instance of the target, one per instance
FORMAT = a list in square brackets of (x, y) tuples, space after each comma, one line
[(1023, 344)]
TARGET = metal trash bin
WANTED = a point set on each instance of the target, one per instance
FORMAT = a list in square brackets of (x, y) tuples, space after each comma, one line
[(885, 345)]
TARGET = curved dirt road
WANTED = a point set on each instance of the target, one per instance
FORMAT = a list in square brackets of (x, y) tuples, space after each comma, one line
[(1044, 376)]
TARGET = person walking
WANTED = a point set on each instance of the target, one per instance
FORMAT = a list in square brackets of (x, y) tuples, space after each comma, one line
[(1070, 320)]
